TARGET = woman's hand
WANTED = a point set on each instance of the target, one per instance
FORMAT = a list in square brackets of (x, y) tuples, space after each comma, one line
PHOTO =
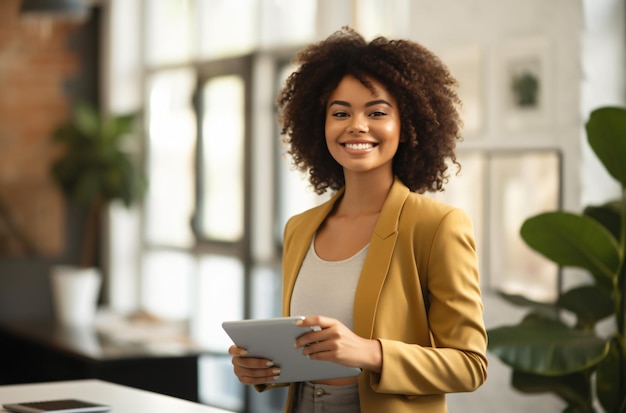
[(250, 370), (337, 343)]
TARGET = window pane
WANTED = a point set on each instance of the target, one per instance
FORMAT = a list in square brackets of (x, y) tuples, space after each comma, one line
[(218, 385), (266, 291), (172, 137), (123, 245), (227, 27), (168, 284), (390, 18), (287, 23), (169, 31), (222, 202), (219, 298)]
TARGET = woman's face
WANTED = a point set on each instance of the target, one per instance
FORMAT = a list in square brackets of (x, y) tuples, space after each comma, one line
[(362, 128)]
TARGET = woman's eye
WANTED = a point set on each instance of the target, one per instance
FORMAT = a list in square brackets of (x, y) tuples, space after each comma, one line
[(377, 113), (340, 114)]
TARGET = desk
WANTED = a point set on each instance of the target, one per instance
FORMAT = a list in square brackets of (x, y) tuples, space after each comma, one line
[(32, 352), (121, 399)]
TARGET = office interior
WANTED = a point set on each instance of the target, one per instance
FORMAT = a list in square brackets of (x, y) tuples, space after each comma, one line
[(203, 245)]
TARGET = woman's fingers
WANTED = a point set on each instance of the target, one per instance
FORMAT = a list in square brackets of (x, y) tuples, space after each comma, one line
[(255, 371), (252, 370)]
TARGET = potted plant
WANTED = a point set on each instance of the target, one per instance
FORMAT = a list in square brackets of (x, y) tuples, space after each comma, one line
[(92, 170), (558, 347)]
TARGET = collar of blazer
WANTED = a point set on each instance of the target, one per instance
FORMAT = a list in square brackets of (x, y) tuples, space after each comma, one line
[(376, 262)]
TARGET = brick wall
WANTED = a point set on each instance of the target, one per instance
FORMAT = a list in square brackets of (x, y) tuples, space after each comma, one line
[(36, 66)]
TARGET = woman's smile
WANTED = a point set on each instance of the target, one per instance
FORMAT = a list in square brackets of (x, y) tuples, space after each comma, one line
[(359, 147)]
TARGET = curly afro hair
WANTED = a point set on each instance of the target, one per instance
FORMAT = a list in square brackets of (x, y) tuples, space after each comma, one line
[(416, 77)]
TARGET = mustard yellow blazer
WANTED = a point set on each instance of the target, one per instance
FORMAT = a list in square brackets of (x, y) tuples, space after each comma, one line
[(418, 294)]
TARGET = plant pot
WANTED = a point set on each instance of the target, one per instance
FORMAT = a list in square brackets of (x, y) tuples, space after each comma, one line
[(75, 294)]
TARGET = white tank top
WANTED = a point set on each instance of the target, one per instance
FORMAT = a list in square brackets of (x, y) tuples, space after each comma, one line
[(327, 288)]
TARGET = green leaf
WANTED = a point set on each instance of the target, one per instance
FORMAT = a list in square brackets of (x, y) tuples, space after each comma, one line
[(115, 129), (606, 133), (573, 240), (546, 346), (87, 120), (545, 309), (590, 304), (574, 389), (609, 215), (66, 133), (93, 165), (611, 379), (87, 187)]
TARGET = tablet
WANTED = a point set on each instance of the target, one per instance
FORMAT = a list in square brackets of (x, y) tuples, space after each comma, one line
[(56, 406), (273, 338)]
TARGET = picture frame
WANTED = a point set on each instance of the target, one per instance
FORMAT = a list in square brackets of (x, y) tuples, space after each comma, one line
[(525, 79), (522, 184)]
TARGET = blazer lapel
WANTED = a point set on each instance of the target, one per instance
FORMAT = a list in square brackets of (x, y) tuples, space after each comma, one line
[(377, 260)]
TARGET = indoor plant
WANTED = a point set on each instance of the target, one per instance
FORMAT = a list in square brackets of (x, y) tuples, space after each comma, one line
[(559, 347), (93, 169)]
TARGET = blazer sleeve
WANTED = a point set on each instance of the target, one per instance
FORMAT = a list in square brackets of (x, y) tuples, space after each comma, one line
[(455, 360)]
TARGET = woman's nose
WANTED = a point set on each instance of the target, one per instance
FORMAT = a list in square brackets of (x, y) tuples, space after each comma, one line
[(357, 126)]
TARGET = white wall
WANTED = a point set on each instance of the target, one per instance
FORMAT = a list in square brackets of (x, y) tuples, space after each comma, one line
[(604, 83)]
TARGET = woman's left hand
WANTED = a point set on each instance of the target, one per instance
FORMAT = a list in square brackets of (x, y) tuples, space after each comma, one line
[(337, 343)]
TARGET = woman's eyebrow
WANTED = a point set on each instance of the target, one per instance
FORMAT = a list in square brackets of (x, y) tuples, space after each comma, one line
[(378, 102), (368, 104), (340, 103)]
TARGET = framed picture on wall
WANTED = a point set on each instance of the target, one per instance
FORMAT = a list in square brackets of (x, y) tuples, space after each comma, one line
[(525, 84), (521, 185)]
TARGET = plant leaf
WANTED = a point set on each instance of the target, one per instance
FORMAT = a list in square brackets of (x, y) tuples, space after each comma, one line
[(574, 389), (545, 309), (611, 379), (546, 347), (609, 215), (606, 133), (94, 165), (573, 240), (116, 128), (590, 304), (87, 120)]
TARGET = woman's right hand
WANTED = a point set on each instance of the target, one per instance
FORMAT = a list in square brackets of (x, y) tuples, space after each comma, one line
[(251, 370)]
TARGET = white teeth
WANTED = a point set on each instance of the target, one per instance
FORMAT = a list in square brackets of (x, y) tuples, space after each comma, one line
[(359, 146)]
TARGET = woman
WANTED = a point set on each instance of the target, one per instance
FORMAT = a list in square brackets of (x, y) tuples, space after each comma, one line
[(390, 275)]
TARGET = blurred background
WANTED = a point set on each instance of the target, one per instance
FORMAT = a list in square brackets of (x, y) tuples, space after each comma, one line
[(203, 244)]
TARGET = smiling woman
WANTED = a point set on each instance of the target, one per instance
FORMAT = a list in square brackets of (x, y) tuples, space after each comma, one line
[(387, 110), (202, 32)]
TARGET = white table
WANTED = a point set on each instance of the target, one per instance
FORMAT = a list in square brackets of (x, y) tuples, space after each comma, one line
[(122, 399)]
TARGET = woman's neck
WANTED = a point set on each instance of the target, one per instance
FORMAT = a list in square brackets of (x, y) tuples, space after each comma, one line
[(364, 195)]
